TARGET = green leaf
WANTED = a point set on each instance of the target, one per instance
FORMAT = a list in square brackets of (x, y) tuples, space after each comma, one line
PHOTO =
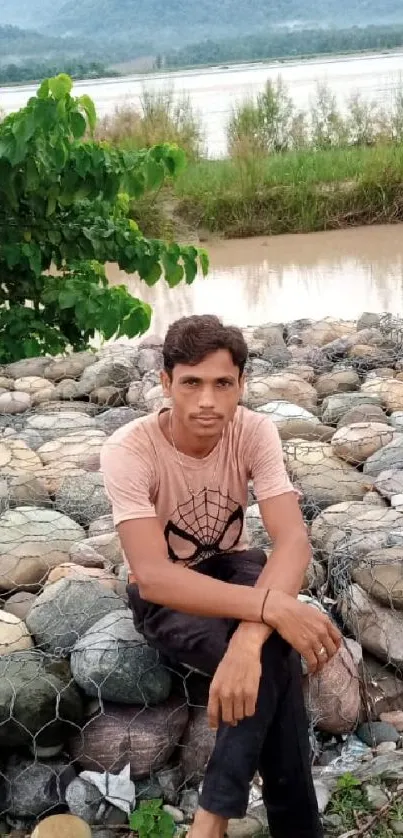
[(67, 298), (43, 90), (60, 86), (88, 105), (154, 174), (153, 274), (204, 262), (78, 125)]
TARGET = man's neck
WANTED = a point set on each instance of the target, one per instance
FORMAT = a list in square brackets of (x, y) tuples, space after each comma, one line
[(185, 443)]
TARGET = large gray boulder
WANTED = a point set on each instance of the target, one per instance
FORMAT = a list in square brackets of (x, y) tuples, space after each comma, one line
[(114, 662), (39, 702), (388, 457), (82, 497), (378, 629), (66, 610), (34, 788)]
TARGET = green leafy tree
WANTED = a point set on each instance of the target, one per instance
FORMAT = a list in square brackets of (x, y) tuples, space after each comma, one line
[(64, 213)]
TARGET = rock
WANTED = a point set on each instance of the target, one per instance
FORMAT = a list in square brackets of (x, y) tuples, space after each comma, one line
[(31, 438), (368, 320), (304, 371), (396, 826), (315, 577), (154, 398), (36, 787), (148, 789), (388, 390), (115, 418), (246, 827), (101, 526), (170, 780), (85, 800), (108, 372), (346, 533), (335, 708), (380, 573), (55, 425), (189, 801), (376, 797), (23, 489), (68, 389), (393, 717), (82, 497), (17, 458), (339, 381), (363, 413), (70, 367), (108, 396), (66, 610), (323, 795), (304, 429), (175, 813), (388, 457), (6, 383), (32, 541), (384, 688), (108, 545), (282, 387), (378, 629), (52, 476), (149, 359), (196, 747), (281, 412), (385, 747), (135, 393), (396, 419), (14, 635), (39, 702), (113, 661), (389, 483), (333, 823), (26, 367), (334, 407), (62, 826), (355, 443), (323, 478), (255, 527), (19, 604), (82, 448), (319, 332), (78, 406), (32, 384), (144, 736), (85, 555), (376, 732), (70, 570)]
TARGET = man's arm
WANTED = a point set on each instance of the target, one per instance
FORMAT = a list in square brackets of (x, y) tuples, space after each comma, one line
[(285, 569), (180, 588)]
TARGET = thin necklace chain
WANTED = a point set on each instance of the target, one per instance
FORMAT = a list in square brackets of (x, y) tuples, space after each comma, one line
[(189, 488)]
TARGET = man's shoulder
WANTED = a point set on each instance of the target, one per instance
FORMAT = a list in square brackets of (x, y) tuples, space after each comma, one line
[(247, 421), (138, 431)]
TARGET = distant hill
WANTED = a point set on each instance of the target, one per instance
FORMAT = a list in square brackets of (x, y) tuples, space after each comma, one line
[(29, 14), (167, 22)]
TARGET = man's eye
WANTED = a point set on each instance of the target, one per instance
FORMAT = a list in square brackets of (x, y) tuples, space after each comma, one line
[(191, 383), (224, 384)]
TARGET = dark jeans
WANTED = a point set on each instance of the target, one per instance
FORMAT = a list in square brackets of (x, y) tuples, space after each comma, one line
[(273, 741)]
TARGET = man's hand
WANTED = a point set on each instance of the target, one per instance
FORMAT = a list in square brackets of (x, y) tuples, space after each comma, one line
[(304, 627), (234, 688)]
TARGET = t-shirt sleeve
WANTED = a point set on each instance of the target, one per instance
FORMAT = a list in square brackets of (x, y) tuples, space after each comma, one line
[(267, 469), (128, 481)]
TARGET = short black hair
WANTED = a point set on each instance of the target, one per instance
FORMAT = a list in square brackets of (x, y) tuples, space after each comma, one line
[(190, 339)]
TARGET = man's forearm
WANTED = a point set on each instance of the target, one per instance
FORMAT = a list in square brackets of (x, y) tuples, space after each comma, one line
[(183, 589), (284, 571)]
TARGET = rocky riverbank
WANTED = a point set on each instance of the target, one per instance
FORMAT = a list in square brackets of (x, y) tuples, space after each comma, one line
[(81, 693)]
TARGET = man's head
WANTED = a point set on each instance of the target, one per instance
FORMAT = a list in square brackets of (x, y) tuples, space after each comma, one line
[(203, 374)]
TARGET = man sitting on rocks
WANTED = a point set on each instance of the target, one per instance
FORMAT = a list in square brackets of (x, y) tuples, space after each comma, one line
[(178, 482)]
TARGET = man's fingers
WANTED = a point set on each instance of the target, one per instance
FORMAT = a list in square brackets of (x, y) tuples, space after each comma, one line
[(239, 708), (227, 710), (213, 710), (250, 704)]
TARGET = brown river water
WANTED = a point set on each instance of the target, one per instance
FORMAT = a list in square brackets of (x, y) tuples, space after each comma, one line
[(278, 278)]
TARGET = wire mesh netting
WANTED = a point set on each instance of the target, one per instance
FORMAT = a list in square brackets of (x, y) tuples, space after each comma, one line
[(92, 719)]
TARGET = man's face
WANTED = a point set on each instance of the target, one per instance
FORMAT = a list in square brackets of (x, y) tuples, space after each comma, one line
[(205, 396)]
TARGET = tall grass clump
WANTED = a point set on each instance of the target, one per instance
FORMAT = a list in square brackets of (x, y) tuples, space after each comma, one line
[(161, 118)]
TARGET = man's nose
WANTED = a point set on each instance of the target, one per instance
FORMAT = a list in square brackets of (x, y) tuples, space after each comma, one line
[(206, 397)]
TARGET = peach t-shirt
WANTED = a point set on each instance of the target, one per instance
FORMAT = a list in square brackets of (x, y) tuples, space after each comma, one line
[(144, 479)]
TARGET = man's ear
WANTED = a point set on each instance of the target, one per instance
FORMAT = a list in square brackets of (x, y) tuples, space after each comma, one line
[(166, 384)]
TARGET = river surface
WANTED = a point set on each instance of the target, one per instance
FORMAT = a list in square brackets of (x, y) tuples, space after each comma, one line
[(339, 273), (213, 92)]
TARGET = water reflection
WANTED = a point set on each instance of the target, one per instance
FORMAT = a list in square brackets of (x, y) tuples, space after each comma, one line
[(339, 273)]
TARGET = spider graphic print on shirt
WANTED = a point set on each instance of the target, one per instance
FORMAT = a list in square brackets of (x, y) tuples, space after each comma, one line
[(207, 524)]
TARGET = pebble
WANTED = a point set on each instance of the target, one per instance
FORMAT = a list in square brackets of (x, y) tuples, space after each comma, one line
[(175, 813), (376, 732), (393, 717), (385, 747), (244, 828), (62, 826), (376, 797), (396, 827)]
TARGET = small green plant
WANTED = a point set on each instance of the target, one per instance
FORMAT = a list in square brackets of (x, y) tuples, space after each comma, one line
[(349, 800), (150, 820)]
